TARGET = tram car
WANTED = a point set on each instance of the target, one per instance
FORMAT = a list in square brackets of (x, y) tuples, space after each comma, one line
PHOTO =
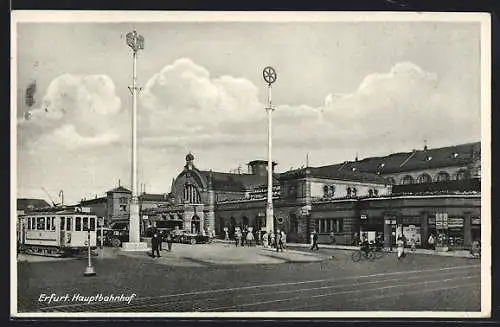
[(56, 233)]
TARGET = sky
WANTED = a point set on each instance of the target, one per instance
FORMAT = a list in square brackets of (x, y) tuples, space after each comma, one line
[(343, 88)]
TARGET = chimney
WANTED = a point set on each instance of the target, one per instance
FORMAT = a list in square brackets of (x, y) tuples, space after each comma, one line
[(425, 145), (119, 183), (356, 158)]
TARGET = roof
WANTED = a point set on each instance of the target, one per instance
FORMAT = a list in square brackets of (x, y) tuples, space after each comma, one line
[(24, 204), (340, 172), (119, 189), (458, 155), (93, 201), (263, 162), (236, 182), (154, 197)]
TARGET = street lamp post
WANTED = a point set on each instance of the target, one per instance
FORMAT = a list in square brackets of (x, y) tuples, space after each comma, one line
[(270, 76), (136, 43)]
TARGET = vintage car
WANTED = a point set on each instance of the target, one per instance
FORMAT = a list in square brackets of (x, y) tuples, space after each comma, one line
[(118, 234), (183, 236)]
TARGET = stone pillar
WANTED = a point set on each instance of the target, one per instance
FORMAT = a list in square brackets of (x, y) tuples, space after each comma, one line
[(467, 230), (424, 229), (210, 218)]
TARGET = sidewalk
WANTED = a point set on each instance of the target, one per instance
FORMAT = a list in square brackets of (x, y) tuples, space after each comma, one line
[(458, 253)]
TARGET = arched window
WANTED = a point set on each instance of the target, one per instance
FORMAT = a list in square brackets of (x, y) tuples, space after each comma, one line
[(354, 191), (349, 191), (390, 181), (424, 178), (191, 194), (407, 180), (442, 176), (370, 192), (461, 175)]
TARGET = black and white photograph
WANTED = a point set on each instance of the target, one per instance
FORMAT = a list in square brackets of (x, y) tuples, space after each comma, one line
[(250, 164)]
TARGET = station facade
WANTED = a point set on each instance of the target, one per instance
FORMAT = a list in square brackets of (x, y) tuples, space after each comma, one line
[(412, 193)]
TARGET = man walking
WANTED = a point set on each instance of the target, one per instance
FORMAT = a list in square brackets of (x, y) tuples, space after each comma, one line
[(315, 242), (169, 242), (155, 245)]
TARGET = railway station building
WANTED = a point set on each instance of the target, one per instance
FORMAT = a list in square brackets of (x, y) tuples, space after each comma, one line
[(416, 193)]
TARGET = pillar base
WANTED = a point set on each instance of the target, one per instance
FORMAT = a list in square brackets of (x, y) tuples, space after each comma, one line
[(89, 271), (135, 246)]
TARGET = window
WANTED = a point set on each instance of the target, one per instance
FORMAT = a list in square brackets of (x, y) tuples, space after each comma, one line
[(53, 223), (354, 191), (92, 223), (375, 191), (329, 225), (68, 224), (442, 176), (390, 180), (328, 191), (348, 191), (123, 200), (29, 223), (47, 224), (123, 207), (40, 223), (424, 178), (191, 194), (460, 175), (33, 223), (406, 180), (85, 224), (78, 224), (370, 192), (61, 222)]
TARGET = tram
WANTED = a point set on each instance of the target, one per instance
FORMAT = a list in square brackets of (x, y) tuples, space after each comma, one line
[(56, 232)]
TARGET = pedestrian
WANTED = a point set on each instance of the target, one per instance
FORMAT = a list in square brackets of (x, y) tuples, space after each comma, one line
[(393, 239), (250, 239), (265, 240), (237, 236), (283, 239), (332, 238), (273, 240), (279, 242), (400, 244), (413, 245), (243, 237), (155, 245), (431, 241), (160, 240), (315, 242), (226, 237), (169, 242)]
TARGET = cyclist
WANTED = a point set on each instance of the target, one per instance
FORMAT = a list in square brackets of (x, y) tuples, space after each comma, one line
[(365, 245)]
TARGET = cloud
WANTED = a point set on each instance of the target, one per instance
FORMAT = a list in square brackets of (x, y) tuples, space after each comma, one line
[(185, 105), (76, 111), (81, 124)]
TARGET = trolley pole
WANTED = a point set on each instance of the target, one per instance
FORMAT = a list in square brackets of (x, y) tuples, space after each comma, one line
[(89, 271), (270, 76)]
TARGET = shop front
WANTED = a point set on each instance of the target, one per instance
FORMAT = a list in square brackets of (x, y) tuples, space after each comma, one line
[(409, 227), (371, 227)]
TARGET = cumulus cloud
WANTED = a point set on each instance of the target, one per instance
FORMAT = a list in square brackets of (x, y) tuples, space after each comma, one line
[(76, 111), (185, 105)]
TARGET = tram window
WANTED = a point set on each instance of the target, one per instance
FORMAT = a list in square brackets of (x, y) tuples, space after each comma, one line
[(47, 223), (92, 224), (78, 224), (33, 223), (63, 220), (53, 223), (40, 223), (68, 224), (85, 223), (29, 223)]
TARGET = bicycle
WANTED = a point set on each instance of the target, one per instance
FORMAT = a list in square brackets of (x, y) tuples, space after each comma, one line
[(361, 254)]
